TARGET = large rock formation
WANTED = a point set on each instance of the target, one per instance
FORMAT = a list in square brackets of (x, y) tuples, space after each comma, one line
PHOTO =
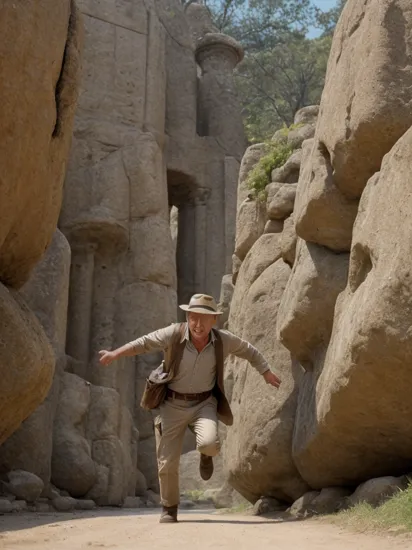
[(343, 310), (38, 93), (258, 448), (157, 126)]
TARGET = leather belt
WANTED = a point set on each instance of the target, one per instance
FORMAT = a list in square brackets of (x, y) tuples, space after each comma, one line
[(189, 396)]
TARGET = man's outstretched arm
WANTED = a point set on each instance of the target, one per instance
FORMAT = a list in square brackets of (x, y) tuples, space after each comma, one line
[(155, 341), (243, 349)]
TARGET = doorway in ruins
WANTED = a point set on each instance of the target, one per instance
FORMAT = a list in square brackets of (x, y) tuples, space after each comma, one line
[(183, 201)]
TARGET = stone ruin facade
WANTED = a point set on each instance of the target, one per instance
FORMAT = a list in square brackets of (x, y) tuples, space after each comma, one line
[(157, 129), (151, 212), (322, 283)]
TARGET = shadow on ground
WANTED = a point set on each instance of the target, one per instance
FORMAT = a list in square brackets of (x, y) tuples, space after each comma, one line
[(29, 520)]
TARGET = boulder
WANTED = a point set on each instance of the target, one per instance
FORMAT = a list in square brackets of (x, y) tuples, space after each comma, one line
[(26, 362), (252, 155), (329, 500), (305, 317), (64, 504), (323, 214), (366, 101), (6, 506), (289, 241), (37, 117), (268, 505), (289, 172), (141, 484), (302, 506), (132, 502), (263, 417), (85, 504), (376, 491), (281, 205), (24, 485), (352, 421), (263, 253), (250, 224), (298, 135), (72, 466), (307, 115), (46, 293), (273, 226), (19, 506)]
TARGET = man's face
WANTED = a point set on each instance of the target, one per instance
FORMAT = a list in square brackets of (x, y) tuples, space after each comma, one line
[(200, 325)]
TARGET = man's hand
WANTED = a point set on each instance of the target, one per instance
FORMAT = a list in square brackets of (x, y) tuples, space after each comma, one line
[(106, 357), (271, 378)]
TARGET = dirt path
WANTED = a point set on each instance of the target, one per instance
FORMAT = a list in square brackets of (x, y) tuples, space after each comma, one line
[(122, 530)]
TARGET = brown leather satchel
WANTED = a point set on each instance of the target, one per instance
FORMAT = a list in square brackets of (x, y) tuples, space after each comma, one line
[(156, 384)]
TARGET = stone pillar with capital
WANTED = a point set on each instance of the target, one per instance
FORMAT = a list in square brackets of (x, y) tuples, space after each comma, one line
[(219, 110)]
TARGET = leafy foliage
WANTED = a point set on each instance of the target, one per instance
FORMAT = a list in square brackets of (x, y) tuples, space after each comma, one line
[(275, 83), (276, 154)]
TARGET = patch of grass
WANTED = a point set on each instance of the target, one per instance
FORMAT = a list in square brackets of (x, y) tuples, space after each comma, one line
[(395, 515), (276, 155)]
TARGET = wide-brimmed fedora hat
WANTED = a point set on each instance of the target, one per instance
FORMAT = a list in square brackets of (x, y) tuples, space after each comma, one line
[(202, 303)]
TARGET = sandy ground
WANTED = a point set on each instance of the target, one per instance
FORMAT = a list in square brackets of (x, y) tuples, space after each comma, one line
[(127, 530)]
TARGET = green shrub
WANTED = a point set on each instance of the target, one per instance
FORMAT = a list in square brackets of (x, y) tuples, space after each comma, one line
[(276, 155)]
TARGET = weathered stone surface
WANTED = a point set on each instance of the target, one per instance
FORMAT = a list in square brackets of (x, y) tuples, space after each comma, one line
[(307, 115), (263, 253), (301, 506), (141, 484), (305, 317), (100, 489), (85, 504), (248, 446), (323, 214), (252, 155), (24, 485), (46, 293), (19, 506), (226, 294), (38, 125), (132, 502), (268, 505), (289, 241), (72, 466), (64, 504), (6, 506), (376, 491), (236, 263), (153, 498), (289, 172), (366, 102), (346, 430), (297, 136), (250, 225), (273, 226), (281, 204), (329, 500), (26, 362)]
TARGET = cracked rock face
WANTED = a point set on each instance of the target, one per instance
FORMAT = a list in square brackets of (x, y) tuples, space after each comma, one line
[(366, 102)]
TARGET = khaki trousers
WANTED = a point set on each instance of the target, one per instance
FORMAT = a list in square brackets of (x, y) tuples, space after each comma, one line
[(175, 416)]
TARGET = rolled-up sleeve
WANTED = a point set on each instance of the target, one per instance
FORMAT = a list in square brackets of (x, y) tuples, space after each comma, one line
[(233, 345), (154, 341)]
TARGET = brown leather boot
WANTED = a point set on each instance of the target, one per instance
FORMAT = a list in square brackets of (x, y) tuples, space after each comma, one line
[(169, 514), (206, 467)]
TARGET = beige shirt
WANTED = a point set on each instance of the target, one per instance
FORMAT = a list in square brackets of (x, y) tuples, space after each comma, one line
[(197, 371)]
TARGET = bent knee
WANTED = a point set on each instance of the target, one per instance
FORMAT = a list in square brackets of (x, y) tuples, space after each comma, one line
[(209, 447)]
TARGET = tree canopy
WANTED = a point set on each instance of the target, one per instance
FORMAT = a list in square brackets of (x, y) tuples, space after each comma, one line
[(283, 69)]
